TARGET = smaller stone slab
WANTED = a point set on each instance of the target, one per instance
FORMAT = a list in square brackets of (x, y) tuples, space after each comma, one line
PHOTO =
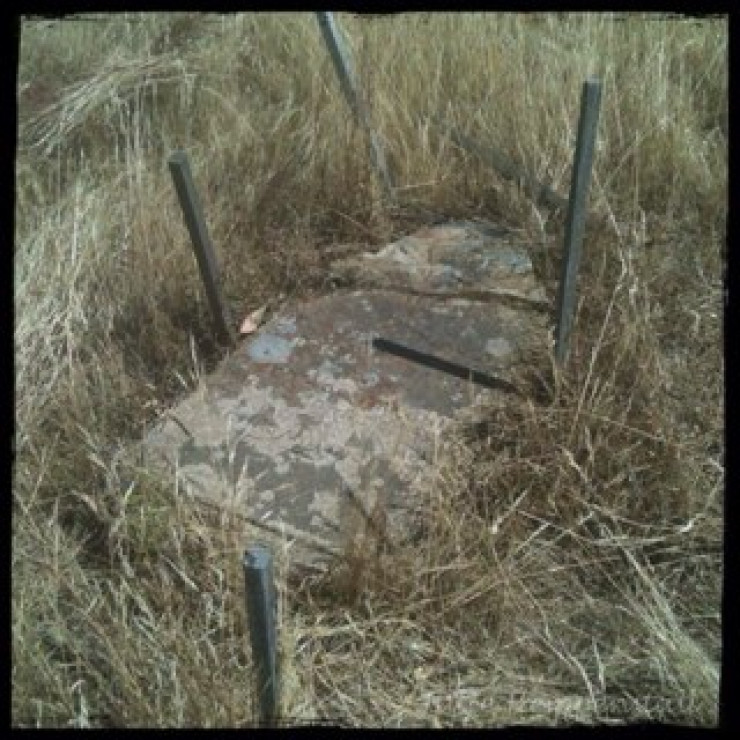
[(466, 259)]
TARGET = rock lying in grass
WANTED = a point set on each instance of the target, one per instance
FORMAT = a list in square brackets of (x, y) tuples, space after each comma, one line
[(321, 427), (468, 259)]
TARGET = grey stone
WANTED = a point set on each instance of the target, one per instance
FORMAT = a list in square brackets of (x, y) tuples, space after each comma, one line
[(320, 438)]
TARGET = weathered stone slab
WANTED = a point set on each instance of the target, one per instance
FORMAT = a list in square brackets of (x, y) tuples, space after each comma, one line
[(466, 259), (314, 432)]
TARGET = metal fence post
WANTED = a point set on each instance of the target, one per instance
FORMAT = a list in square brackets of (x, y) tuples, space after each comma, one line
[(262, 614), (204, 253), (348, 82), (576, 217)]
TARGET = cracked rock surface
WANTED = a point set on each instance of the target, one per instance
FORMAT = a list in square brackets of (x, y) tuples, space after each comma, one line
[(319, 437)]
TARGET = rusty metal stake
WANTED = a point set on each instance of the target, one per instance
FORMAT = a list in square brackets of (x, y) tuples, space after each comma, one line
[(202, 246), (576, 217), (262, 613), (344, 67)]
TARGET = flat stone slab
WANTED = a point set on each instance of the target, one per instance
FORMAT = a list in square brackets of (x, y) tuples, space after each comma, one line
[(321, 426), (468, 259)]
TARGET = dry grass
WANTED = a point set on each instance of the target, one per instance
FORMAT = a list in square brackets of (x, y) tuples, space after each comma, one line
[(570, 567)]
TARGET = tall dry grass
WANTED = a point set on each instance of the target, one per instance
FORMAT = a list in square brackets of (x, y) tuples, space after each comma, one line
[(570, 567)]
